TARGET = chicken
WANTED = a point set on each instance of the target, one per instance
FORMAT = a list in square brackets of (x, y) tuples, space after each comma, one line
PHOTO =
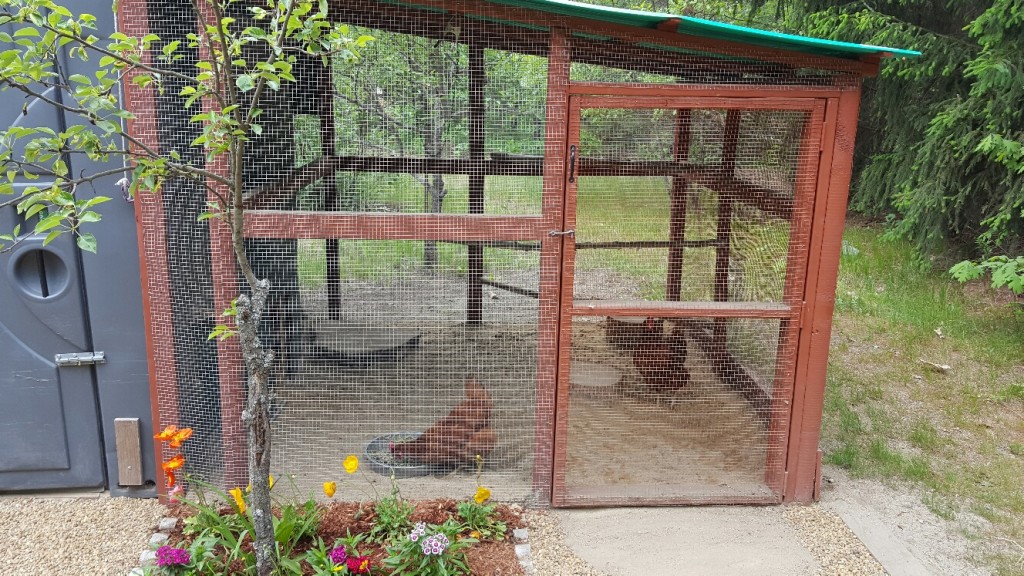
[(661, 360), (458, 437)]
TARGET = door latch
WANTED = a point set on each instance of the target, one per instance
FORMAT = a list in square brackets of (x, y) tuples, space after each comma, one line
[(572, 163), (570, 232), (80, 358)]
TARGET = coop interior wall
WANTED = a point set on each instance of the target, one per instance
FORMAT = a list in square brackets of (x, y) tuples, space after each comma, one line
[(387, 297)]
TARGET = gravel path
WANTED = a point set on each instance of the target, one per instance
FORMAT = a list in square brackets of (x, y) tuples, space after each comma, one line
[(104, 536), (95, 536), (550, 555), (832, 543)]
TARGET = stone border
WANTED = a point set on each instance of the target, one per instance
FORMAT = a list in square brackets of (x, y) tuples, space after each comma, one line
[(147, 558), (521, 539)]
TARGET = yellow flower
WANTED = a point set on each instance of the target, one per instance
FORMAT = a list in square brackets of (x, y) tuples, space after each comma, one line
[(351, 464), (236, 493), (271, 481), (474, 534), (330, 488), (483, 494)]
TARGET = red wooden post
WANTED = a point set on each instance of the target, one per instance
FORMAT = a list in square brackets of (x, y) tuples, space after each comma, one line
[(475, 275), (331, 249), (825, 247), (724, 228), (804, 189), (133, 19), (231, 368), (677, 199), (553, 205)]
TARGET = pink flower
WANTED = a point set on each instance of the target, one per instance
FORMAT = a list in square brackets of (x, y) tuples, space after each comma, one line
[(175, 494)]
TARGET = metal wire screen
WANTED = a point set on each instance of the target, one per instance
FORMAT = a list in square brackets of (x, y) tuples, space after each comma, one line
[(411, 212), (690, 235)]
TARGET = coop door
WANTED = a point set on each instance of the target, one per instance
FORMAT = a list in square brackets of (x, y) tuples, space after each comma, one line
[(689, 223)]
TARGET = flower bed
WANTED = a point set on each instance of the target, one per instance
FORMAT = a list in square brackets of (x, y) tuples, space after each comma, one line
[(387, 536), (337, 520)]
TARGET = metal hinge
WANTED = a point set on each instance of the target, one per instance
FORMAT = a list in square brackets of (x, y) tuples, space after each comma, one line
[(80, 358), (569, 232)]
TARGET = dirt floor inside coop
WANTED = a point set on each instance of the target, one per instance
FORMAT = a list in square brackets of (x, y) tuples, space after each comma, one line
[(703, 441)]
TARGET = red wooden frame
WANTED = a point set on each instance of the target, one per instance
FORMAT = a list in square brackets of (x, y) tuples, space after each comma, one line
[(552, 205), (231, 368), (804, 325), (834, 173), (154, 272), (791, 311)]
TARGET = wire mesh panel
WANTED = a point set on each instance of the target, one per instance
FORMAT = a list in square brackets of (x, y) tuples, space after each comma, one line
[(691, 226), (431, 215), (657, 412), (395, 362)]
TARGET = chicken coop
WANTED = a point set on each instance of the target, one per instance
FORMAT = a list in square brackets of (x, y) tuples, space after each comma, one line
[(596, 247)]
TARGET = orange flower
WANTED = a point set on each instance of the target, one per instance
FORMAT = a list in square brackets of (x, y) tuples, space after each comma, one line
[(170, 479), (180, 436), (167, 433), (174, 463)]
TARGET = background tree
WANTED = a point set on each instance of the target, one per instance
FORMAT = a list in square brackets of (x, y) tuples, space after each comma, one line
[(241, 59), (410, 99), (940, 144)]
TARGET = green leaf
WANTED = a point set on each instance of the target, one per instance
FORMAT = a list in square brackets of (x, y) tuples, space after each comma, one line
[(52, 236), (27, 32), (244, 82), (89, 216), (87, 242), (51, 221)]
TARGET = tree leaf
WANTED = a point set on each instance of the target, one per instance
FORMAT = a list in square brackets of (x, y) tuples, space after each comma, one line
[(87, 242)]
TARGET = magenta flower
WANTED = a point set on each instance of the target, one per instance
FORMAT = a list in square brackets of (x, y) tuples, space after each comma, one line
[(338, 555), (171, 556)]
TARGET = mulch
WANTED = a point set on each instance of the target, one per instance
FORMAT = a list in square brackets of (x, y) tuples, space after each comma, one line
[(340, 519)]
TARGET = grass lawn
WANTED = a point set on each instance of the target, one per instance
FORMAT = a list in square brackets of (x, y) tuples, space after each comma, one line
[(959, 433)]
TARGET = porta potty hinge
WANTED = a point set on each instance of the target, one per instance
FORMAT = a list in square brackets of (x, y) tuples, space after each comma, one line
[(80, 358)]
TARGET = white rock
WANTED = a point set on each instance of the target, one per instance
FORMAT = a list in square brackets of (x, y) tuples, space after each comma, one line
[(522, 551), (157, 540), (167, 524), (148, 558), (521, 535)]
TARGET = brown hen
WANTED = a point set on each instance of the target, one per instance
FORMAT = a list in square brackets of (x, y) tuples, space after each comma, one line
[(458, 437), (661, 360)]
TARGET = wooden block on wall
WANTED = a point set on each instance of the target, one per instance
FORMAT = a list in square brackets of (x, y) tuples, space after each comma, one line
[(129, 451)]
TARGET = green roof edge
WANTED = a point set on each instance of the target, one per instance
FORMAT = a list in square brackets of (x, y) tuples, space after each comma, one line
[(711, 29)]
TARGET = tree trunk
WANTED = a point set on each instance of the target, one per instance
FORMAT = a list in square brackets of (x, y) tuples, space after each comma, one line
[(257, 420)]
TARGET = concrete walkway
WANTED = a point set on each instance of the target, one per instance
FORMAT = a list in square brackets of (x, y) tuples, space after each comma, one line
[(708, 541)]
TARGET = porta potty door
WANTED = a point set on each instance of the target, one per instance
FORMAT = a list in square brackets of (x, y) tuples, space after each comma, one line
[(58, 308)]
